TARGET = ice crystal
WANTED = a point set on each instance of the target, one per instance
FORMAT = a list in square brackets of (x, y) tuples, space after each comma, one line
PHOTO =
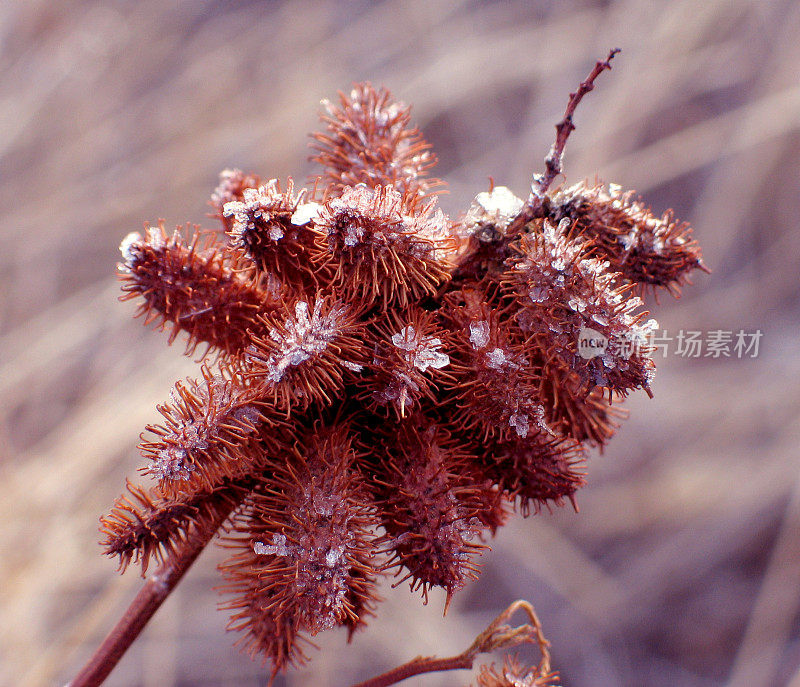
[(333, 557), (130, 248), (496, 208), (497, 359), (302, 337), (479, 334), (538, 293), (305, 213), (400, 389), (422, 351), (521, 421), (172, 463), (277, 548)]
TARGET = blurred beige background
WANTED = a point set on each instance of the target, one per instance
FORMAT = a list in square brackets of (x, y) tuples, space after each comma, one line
[(682, 566)]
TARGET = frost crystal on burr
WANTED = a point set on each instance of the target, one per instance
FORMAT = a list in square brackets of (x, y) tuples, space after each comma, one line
[(303, 336), (497, 359), (521, 421), (496, 208), (479, 334), (305, 213), (422, 352), (130, 248), (173, 463), (277, 548)]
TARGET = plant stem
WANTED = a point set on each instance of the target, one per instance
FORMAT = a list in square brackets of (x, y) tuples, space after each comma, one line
[(418, 666), (565, 127), (497, 635), (542, 182), (155, 591)]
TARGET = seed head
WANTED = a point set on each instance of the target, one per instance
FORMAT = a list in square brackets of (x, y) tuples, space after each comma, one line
[(380, 385)]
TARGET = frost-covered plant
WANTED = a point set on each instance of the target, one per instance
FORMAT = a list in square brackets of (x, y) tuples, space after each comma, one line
[(381, 383)]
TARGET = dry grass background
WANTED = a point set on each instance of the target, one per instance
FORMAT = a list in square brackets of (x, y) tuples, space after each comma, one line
[(682, 567)]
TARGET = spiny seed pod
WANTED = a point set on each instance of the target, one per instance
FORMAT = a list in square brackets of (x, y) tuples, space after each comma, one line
[(275, 639), (213, 430), (387, 247), (429, 508), (232, 183), (408, 361), (566, 301), (495, 382), (616, 226), (196, 288), (301, 358), (275, 229), (144, 524), (570, 412), (311, 533), (536, 470), (493, 512), (368, 140), (515, 674)]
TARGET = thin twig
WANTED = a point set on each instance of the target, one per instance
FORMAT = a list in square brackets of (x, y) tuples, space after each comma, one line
[(565, 127), (553, 162), (149, 599), (498, 635)]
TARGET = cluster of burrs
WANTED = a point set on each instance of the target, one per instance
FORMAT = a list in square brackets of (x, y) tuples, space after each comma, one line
[(380, 383)]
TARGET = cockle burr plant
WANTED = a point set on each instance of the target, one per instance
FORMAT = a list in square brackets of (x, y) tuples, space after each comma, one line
[(380, 383)]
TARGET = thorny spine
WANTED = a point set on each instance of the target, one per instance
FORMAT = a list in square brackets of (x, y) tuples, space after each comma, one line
[(382, 383)]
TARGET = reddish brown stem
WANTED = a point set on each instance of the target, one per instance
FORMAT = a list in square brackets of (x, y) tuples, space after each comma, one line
[(553, 162), (498, 635), (418, 666), (565, 127), (155, 591)]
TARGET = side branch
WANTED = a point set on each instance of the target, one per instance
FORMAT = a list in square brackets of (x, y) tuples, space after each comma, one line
[(498, 635), (565, 127), (155, 591), (553, 162)]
